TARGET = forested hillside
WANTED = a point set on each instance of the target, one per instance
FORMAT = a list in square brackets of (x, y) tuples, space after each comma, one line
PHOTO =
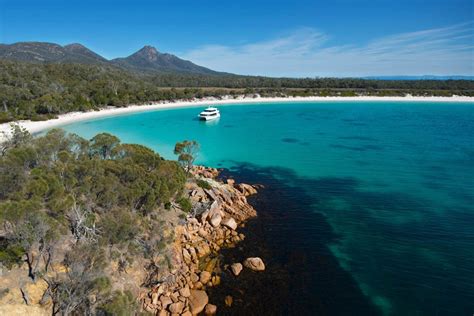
[(86, 208), (40, 91)]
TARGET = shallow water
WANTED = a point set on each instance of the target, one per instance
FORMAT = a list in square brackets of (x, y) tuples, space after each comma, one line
[(370, 203)]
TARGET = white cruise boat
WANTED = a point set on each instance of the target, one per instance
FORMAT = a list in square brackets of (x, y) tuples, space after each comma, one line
[(210, 113)]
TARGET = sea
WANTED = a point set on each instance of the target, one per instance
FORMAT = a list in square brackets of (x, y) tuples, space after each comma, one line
[(367, 208)]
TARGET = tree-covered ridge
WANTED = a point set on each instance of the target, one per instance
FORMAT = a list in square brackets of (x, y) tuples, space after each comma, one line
[(41, 91), (146, 60), (85, 204)]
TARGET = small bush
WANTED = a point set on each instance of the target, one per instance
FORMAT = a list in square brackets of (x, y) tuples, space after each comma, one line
[(4, 118), (203, 184), (42, 117), (121, 304), (185, 204), (10, 255)]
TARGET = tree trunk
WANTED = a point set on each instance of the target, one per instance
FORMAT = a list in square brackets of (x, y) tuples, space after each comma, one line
[(24, 294), (29, 261)]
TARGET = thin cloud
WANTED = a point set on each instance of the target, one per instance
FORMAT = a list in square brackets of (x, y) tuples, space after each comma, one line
[(304, 53)]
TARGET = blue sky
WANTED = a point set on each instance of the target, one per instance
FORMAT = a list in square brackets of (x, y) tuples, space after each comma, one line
[(277, 38)]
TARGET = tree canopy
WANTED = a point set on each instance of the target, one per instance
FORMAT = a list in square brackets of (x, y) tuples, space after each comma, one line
[(187, 152), (100, 196), (41, 91)]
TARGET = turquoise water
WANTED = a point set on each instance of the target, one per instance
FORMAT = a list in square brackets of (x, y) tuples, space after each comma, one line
[(394, 181)]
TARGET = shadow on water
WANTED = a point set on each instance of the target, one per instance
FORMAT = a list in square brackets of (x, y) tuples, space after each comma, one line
[(302, 276)]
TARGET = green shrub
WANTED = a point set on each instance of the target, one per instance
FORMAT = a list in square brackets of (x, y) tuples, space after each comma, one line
[(10, 254), (185, 204), (203, 184), (4, 117), (121, 304)]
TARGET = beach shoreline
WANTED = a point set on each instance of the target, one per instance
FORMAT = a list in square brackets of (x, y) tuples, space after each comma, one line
[(72, 117)]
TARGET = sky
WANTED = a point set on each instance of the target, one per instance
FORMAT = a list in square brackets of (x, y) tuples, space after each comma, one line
[(298, 38)]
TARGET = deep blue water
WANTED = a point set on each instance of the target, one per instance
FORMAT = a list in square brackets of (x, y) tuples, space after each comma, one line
[(368, 207)]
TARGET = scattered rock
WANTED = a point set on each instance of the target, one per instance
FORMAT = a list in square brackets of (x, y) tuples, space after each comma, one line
[(228, 301), (185, 292), (148, 308), (230, 222), (194, 278), (210, 310), (255, 264), (165, 301), (203, 249), (174, 297), (202, 232), (216, 280), (236, 268), (197, 301), (177, 307), (214, 207), (204, 216), (205, 277), (216, 219), (154, 298), (186, 255), (163, 312), (246, 189)]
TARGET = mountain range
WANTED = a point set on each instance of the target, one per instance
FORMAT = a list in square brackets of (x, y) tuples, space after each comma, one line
[(146, 60)]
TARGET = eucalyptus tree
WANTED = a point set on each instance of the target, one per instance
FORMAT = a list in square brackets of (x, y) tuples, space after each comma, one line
[(187, 152)]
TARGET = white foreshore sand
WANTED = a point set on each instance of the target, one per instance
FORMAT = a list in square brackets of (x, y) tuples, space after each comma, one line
[(64, 119)]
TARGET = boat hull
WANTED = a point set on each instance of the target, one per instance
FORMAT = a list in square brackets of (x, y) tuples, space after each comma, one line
[(209, 118)]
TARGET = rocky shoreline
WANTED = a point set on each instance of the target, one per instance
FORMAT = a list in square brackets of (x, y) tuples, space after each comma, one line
[(218, 209)]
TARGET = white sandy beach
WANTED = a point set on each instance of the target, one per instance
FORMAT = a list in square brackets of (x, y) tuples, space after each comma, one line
[(64, 119)]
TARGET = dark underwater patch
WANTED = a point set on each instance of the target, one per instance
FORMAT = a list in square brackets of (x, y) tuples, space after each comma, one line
[(436, 168), (354, 122), (357, 148), (364, 138), (290, 140), (362, 163), (292, 240), (432, 185)]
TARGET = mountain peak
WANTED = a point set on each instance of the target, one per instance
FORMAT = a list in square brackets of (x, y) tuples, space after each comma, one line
[(149, 48), (75, 46), (146, 60), (148, 52)]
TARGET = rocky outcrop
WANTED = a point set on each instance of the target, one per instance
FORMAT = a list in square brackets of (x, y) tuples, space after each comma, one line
[(246, 189), (218, 210), (205, 172)]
